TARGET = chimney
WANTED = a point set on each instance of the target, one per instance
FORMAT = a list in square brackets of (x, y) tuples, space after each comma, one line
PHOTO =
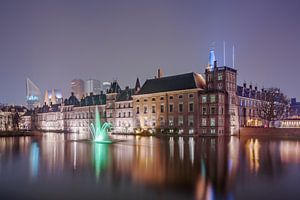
[(215, 64), (159, 73)]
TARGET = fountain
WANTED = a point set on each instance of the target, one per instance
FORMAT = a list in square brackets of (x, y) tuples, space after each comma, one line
[(99, 130)]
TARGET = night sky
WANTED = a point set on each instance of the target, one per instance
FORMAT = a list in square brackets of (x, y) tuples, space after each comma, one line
[(52, 42)]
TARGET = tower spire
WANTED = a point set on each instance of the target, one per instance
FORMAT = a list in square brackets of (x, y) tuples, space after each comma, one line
[(137, 85)]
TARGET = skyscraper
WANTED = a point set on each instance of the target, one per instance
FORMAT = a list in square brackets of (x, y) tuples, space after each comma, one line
[(33, 94), (105, 86), (77, 87), (92, 86)]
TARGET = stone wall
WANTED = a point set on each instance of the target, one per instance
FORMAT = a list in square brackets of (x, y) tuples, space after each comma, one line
[(273, 132)]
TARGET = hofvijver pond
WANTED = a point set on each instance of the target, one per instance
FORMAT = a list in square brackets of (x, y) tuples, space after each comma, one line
[(66, 166)]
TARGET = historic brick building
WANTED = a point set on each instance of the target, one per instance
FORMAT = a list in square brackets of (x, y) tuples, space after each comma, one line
[(189, 103)]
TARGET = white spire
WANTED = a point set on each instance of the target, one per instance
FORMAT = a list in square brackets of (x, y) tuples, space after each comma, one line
[(232, 56)]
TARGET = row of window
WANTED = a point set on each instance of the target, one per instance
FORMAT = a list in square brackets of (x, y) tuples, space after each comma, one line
[(162, 108), (124, 114), (204, 122), (129, 105), (249, 103), (163, 98)]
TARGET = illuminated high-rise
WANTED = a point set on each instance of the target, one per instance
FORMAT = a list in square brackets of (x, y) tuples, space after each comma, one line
[(33, 94), (92, 86), (77, 87)]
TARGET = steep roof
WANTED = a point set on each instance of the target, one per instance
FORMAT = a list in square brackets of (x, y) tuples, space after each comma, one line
[(173, 83), (126, 95), (99, 99)]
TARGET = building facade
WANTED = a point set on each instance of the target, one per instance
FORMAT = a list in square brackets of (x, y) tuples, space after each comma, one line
[(210, 104)]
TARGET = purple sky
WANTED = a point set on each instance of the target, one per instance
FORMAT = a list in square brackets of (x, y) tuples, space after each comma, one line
[(52, 42)]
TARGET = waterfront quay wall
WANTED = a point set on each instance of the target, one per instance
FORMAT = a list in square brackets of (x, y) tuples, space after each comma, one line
[(271, 132)]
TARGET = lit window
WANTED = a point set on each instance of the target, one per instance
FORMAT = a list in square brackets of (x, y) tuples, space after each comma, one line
[(171, 121), (204, 122), (212, 122), (180, 120), (212, 98), (220, 76), (204, 99)]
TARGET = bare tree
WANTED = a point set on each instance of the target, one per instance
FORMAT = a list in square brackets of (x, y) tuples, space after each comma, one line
[(274, 105), (15, 121)]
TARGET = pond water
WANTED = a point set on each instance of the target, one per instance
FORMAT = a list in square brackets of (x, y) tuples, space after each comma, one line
[(67, 166)]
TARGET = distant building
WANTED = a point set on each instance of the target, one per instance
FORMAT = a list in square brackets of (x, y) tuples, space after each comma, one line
[(33, 95), (294, 108), (52, 97), (92, 86), (77, 87), (105, 86)]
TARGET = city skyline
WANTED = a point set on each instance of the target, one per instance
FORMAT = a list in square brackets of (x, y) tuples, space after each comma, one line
[(53, 42)]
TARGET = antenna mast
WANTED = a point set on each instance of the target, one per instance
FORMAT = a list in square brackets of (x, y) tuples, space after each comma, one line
[(224, 53), (232, 56)]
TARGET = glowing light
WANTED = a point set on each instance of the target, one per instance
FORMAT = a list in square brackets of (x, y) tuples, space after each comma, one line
[(100, 157), (34, 159), (212, 59), (253, 150), (98, 130)]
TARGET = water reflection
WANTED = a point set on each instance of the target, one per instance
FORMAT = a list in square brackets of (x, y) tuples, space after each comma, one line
[(175, 167), (34, 160), (100, 158), (253, 148)]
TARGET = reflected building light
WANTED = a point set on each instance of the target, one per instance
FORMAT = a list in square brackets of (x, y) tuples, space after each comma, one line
[(253, 147), (34, 160), (289, 151), (191, 148), (233, 154), (75, 156), (171, 145), (204, 190), (181, 148), (151, 146)]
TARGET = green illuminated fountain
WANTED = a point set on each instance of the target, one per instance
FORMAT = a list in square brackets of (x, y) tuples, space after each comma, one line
[(99, 130)]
